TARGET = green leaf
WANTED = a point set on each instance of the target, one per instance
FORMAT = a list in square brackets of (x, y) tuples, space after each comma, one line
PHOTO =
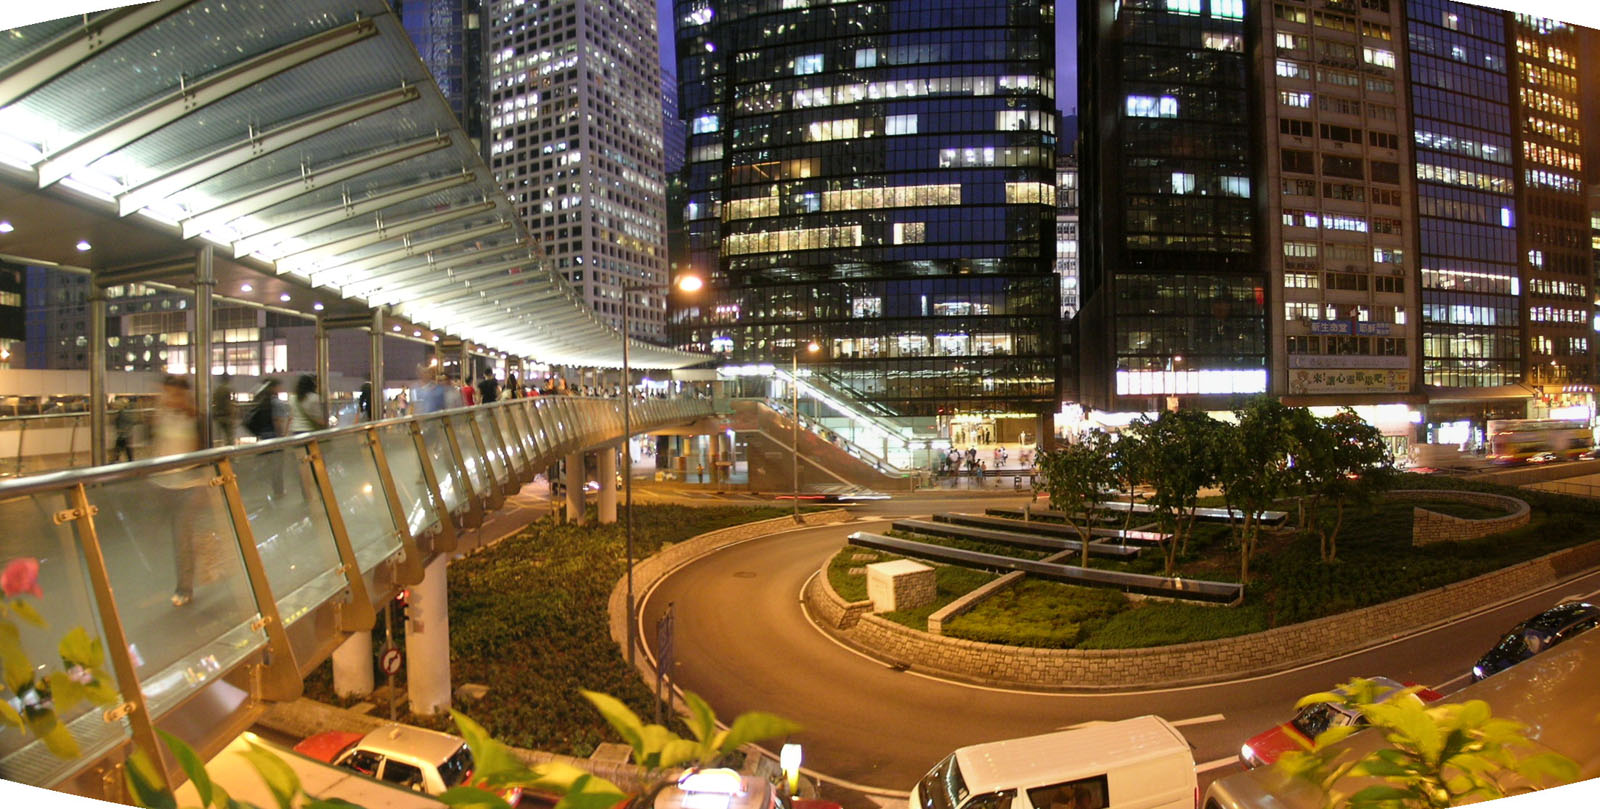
[(494, 764), (65, 691), (621, 718), (558, 776), (101, 692), (330, 803), (753, 727), (589, 792), (1553, 768), (1318, 698), (652, 739), (702, 722), (679, 751), (472, 798), (18, 669), (144, 783), (1379, 794), (275, 773), (79, 648), (9, 715), (57, 739), (192, 766), (26, 612)]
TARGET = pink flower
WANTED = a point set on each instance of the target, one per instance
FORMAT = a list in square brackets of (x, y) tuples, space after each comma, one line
[(21, 575)]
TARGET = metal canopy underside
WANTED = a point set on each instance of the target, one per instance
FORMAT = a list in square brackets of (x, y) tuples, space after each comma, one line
[(304, 137)]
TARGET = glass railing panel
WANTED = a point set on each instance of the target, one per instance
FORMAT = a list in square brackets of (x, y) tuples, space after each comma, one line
[(495, 450), (513, 438), (181, 590), (472, 456), (353, 471), (290, 523), (550, 434), (406, 468), (525, 428), (65, 598), (451, 487)]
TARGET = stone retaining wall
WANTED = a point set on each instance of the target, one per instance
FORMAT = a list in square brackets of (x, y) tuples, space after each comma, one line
[(646, 572), (1428, 527), (1188, 663)]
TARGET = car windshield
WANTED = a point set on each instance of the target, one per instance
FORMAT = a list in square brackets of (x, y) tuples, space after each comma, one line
[(1315, 719), (456, 768), (943, 787)]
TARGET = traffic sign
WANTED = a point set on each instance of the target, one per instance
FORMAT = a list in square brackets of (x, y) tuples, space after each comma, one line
[(390, 661)]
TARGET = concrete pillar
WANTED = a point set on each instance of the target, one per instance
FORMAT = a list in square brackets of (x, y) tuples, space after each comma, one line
[(97, 373), (322, 362), (205, 283), (376, 374), (575, 488), (466, 360), (428, 642), (608, 485), (352, 666)]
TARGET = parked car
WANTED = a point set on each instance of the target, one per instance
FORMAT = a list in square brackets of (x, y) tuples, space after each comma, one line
[(1537, 634), (422, 760), (1297, 733)]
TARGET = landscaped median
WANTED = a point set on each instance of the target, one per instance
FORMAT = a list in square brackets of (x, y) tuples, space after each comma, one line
[(1298, 609)]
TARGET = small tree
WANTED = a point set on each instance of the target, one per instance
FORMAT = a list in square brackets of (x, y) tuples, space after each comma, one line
[(1182, 460), (1076, 476), (1128, 463), (1346, 464), (1254, 468), (1437, 756)]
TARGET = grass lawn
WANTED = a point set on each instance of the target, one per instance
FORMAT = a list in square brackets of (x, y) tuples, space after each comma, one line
[(952, 583), (528, 618), (1289, 582)]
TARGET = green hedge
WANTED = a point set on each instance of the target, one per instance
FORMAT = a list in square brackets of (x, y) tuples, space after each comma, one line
[(1038, 613), (528, 618)]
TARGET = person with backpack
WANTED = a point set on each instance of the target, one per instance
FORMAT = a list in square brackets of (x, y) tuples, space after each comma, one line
[(123, 424), (305, 408), (261, 420)]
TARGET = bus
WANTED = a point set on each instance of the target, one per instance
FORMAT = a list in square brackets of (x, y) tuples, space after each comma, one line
[(1523, 440)]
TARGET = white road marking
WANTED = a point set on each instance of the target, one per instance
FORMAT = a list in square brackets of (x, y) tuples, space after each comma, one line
[(1452, 681), (1218, 763), (1198, 720)]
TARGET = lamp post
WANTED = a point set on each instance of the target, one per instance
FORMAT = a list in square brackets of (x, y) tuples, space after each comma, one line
[(687, 283), (794, 423)]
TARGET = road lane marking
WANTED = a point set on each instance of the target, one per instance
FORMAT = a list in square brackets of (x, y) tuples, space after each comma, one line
[(1198, 720), (1216, 764), (1451, 681)]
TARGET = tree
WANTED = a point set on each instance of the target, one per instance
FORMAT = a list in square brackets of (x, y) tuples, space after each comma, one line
[(1128, 462), (1345, 463), (1437, 756), (1076, 477), (1254, 469), (1181, 460)]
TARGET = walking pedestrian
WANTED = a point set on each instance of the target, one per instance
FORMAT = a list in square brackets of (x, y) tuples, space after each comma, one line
[(224, 412), (175, 429), (488, 389), (305, 407), (469, 395), (123, 424)]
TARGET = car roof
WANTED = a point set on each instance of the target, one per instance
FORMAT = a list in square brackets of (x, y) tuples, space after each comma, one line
[(412, 742), (1054, 756), (1557, 617)]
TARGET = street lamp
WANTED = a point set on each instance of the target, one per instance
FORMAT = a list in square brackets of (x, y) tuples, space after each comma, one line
[(794, 422), (687, 283)]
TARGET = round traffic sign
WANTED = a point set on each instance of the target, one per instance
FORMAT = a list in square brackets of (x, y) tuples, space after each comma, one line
[(390, 661)]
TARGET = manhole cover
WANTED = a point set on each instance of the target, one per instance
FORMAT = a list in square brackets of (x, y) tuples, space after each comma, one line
[(745, 574)]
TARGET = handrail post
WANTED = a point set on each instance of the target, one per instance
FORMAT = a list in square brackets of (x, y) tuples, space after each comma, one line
[(97, 378), (278, 678), (133, 705), (357, 615), (409, 569)]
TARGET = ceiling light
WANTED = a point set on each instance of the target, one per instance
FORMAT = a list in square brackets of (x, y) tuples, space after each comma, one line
[(284, 297), (416, 334), (317, 306), (83, 246), (397, 327), (246, 288), (5, 227)]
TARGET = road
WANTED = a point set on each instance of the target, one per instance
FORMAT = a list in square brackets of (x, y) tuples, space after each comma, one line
[(744, 642)]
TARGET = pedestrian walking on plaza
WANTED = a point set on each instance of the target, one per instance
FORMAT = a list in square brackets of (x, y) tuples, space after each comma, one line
[(305, 407), (469, 394), (262, 420), (224, 412), (364, 404), (488, 389), (176, 430), (123, 424)]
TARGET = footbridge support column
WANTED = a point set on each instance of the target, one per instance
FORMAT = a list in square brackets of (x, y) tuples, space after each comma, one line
[(428, 642), (352, 666), (575, 483), (607, 464)]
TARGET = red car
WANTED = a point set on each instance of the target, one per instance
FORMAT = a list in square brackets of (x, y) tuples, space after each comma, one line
[(1298, 733), (411, 758)]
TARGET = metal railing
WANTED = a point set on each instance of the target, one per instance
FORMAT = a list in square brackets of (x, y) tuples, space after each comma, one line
[(44, 452), (216, 579)]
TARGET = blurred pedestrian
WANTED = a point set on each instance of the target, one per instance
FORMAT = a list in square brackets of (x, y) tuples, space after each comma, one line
[(488, 389), (224, 413), (469, 395), (305, 407), (175, 429), (262, 418), (364, 403), (122, 422)]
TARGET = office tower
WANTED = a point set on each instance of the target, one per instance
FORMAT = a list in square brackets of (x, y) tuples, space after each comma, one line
[(1173, 283), (449, 38), (1338, 197), (574, 136), (879, 179), (673, 130), (1067, 233), (13, 332)]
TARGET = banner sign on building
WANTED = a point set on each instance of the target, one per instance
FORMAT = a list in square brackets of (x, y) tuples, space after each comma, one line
[(1347, 361), (1330, 327), (1349, 380)]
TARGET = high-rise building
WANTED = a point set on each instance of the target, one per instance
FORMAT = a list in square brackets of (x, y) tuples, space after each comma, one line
[(1067, 233), (1173, 281), (674, 132), (574, 136), (1338, 198), (449, 38), (879, 179)]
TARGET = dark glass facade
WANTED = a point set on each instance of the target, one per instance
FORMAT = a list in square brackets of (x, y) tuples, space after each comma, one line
[(878, 177), (1465, 147), (449, 40), (1174, 289)]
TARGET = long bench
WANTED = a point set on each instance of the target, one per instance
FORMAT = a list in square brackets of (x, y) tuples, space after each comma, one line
[(1131, 537), (1213, 592), (1203, 514), (1014, 539)]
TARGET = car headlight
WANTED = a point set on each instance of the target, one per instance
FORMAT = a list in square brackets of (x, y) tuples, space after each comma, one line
[(1248, 756), (1478, 673)]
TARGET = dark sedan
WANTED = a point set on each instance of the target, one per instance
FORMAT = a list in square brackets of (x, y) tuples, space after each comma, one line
[(1537, 634)]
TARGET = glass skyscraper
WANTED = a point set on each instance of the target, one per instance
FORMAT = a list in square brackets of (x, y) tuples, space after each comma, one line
[(1174, 292), (877, 177)]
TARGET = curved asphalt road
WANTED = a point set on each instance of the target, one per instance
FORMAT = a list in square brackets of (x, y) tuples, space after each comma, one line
[(743, 642)]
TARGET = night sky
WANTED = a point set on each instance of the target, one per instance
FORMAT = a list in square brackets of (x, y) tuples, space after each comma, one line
[(1066, 50)]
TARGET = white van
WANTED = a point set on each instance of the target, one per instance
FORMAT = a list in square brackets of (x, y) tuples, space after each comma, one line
[(1139, 763)]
